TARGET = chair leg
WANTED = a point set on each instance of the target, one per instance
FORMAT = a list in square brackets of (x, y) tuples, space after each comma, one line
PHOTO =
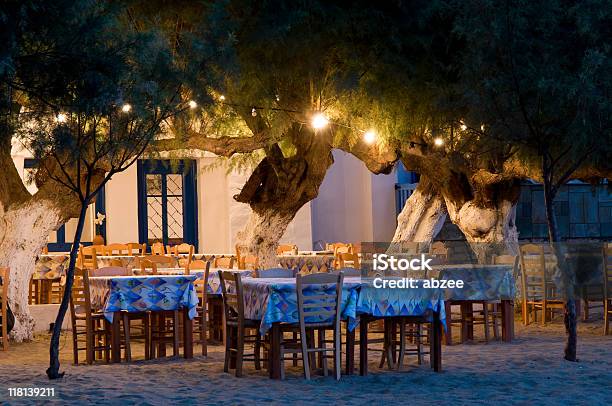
[(75, 345), (147, 333), (544, 309), (204, 333), (606, 317), (525, 313), (175, 333), (228, 347), (294, 361), (257, 351), (485, 312), (240, 351), (337, 354), (305, 354), (402, 344), (90, 343), (323, 354)]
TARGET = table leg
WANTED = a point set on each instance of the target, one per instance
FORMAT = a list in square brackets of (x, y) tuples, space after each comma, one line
[(116, 338), (350, 351), (436, 343), (274, 359), (363, 346), (507, 313), (187, 335)]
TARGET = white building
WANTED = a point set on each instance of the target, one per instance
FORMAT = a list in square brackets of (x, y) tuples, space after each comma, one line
[(193, 202)]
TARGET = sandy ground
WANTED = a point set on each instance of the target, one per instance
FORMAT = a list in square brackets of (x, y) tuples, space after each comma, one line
[(528, 371)]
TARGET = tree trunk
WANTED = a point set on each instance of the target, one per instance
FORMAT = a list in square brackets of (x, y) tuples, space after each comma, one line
[(24, 230), (262, 232), (54, 364), (489, 229), (423, 215), (566, 277)]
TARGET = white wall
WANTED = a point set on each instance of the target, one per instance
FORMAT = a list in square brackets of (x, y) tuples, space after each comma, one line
[(353, 204), (122, 207)]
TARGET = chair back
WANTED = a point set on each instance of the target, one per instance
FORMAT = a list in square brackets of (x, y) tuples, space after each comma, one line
[(607, 272), (533, 272), (224, 262), (4, 284), (158, 249), (286, 248), (148, 267), (233, 299), (348, 260), (117, 249), (87, 258), (439, 249), (200, 284), (110, 271), (183, 248), (275, 273), (135, 248), (164, 260), (80, 298), (323, 307), (250, 262)]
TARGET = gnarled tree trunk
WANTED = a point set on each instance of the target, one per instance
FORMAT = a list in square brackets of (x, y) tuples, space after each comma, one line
[(23, 234), (423, 215), (278, 188)]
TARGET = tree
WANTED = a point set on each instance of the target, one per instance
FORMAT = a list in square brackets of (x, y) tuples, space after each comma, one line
[(110, 97), (539, 75)]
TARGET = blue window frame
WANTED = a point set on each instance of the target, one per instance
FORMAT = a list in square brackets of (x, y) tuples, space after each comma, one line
[(167, 203), (60, 243)]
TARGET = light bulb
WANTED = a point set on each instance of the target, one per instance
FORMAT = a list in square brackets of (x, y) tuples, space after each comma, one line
[(126, 108), (463, 127), (222, 98), (192, 104), (319, 121), (482, 127), (254, 112), (61, 118), (438, 142), (369, 137)]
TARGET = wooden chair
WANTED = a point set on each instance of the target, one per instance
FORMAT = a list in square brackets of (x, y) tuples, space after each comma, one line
[(607, 276), (117, 250), (250, 262), (184, 249), (537, 290), (324, 308), (339, 249), (87, 258), (286, 248), (86, 323), (236, 326), (224, 262), (348, 260), (275, 273), (439, 250), (137, 249), (34, 291), (201, 320), (154, 262), (4, 284), (158, 249)]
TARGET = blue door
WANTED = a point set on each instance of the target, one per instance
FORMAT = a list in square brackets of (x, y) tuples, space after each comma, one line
[(167, 206)]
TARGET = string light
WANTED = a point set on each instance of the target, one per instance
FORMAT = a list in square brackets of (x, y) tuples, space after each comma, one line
[(463, 126), (254, 112), (61, 118), (222, 98), (192, 104), (319, 121), (126, 108), (482, 127), (438, 142), (369, 137)]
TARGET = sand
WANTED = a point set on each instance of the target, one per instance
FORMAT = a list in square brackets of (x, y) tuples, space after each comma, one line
[(528, 371)]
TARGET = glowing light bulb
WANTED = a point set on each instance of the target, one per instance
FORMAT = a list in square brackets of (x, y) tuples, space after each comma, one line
[(369, 137), (222, 98), (319, 121), (254, 112), (463, 127), (61, 118), (126, 108), (438, 142), (192, 104), (482, 127)]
